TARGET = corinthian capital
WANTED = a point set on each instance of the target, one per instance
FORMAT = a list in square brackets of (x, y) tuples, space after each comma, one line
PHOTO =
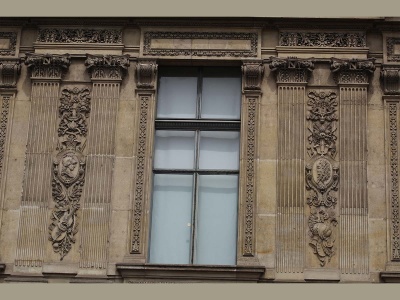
[(352, 71), (9, 72), (47, 65), (291, 69), (253, 72), (107, 66), (146, 74), (390, 76)]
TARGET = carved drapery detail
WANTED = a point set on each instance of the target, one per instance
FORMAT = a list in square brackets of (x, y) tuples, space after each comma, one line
[(69, 168), (322, 176), (394, 185), (291, 69), (107, 66), (9, 72), (352, 71), (253, 74), (390, 43), (146, 74), (12, 37), (390, 76), (79, 35), (47, 65), (322, 39)]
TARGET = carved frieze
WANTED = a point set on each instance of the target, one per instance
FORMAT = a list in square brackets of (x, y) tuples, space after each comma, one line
[(322, 176), (291, 69), (69, 168), (322, 39), (47, 65), (352, 71), (107, 66), (11, 43), (79, 35), (253, 72), (9, 72), (146, 74), (390, 76), (391, 42), (200, 44)]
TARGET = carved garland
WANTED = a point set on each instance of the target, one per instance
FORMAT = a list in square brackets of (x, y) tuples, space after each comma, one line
[(322, 39), (322, 177), (75, 35), (69, 168), (390, 42), (12, 37)]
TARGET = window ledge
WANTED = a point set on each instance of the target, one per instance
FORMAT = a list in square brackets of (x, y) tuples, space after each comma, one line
[(390, 276), (193, 273)]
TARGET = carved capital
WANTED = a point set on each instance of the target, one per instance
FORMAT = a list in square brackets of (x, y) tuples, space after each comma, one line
[(291, 69), (146, 74), (107, 66), (47, 65), (352, 71), (390, 76), (9, 73), (253, 72)]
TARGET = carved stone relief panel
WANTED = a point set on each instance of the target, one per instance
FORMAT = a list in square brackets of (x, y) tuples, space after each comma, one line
[(79, 35), (8, 43), (322, 39), (393, 49)]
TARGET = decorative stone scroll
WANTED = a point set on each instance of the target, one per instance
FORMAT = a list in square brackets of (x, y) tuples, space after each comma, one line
[(322, 176), (69, 168), (390, 45), (79, 35), (390, 76), (50, 66), (322, 39), (107, 66), (9, 72), (253, 73), (146, 74), (352, 70), (291, 69), (12, 43)]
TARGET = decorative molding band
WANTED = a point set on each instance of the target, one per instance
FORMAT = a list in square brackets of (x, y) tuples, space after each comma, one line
[(79, 35), (9, 73), (107, 66), (390, 45), (322, 39), (253, 72), (291, 69), (45, 66), (200, 44), (390, 76), (352, 71), (146, 71), (322, 176), (12, 43), (394, 182), (69, 168)]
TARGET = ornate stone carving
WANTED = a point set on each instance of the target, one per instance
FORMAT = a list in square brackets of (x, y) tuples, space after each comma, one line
[(5, 107), (322, 39), (322, 177), (253, 72), (107, 66), (390, 76), (354, 71), (390, 43), (47, 65), (12, 37), (69, 168), (9, 72), (394, 186), (291, 69), (151, 35), (79, 35), (146, 74)]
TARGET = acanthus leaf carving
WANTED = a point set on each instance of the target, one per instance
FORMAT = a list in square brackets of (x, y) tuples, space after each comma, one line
[(322, 39), (47, 65), (79, 35), (9, 73), (353, 71), (146, 71), (69, 168), (253, 72), (291, 69), (107, 66)]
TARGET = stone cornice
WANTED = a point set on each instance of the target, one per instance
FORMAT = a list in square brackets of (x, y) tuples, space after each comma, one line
[(9, 73), (390, 77), (108, 67), (352, 71), (291, 69), (47, 65), (146, 74)]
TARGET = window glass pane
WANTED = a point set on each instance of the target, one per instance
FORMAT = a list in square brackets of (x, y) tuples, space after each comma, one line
[(174, 149), (221, 98), (217, 220), (219, 150), (171, 219)]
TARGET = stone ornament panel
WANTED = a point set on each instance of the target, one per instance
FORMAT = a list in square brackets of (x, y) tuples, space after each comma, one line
[(291, 69), (146, 74), (8, 43), (322, 39), (9, 73), (352, 71), (79, 36), (109, 67), (390, 76), (393, 49)]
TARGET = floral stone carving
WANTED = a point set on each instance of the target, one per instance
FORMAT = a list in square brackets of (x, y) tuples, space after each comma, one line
[(69, 168)]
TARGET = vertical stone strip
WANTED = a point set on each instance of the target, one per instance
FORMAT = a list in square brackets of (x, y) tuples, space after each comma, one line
[(46, 72), (146, 75), (253, 72), (106, 74), (352, 77), (291, 76)]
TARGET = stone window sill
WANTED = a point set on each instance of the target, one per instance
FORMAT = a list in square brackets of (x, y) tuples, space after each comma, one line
[(141, 273), (390, 276)]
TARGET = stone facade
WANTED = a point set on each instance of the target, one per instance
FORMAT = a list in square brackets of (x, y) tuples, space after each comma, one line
[(318, 191)]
